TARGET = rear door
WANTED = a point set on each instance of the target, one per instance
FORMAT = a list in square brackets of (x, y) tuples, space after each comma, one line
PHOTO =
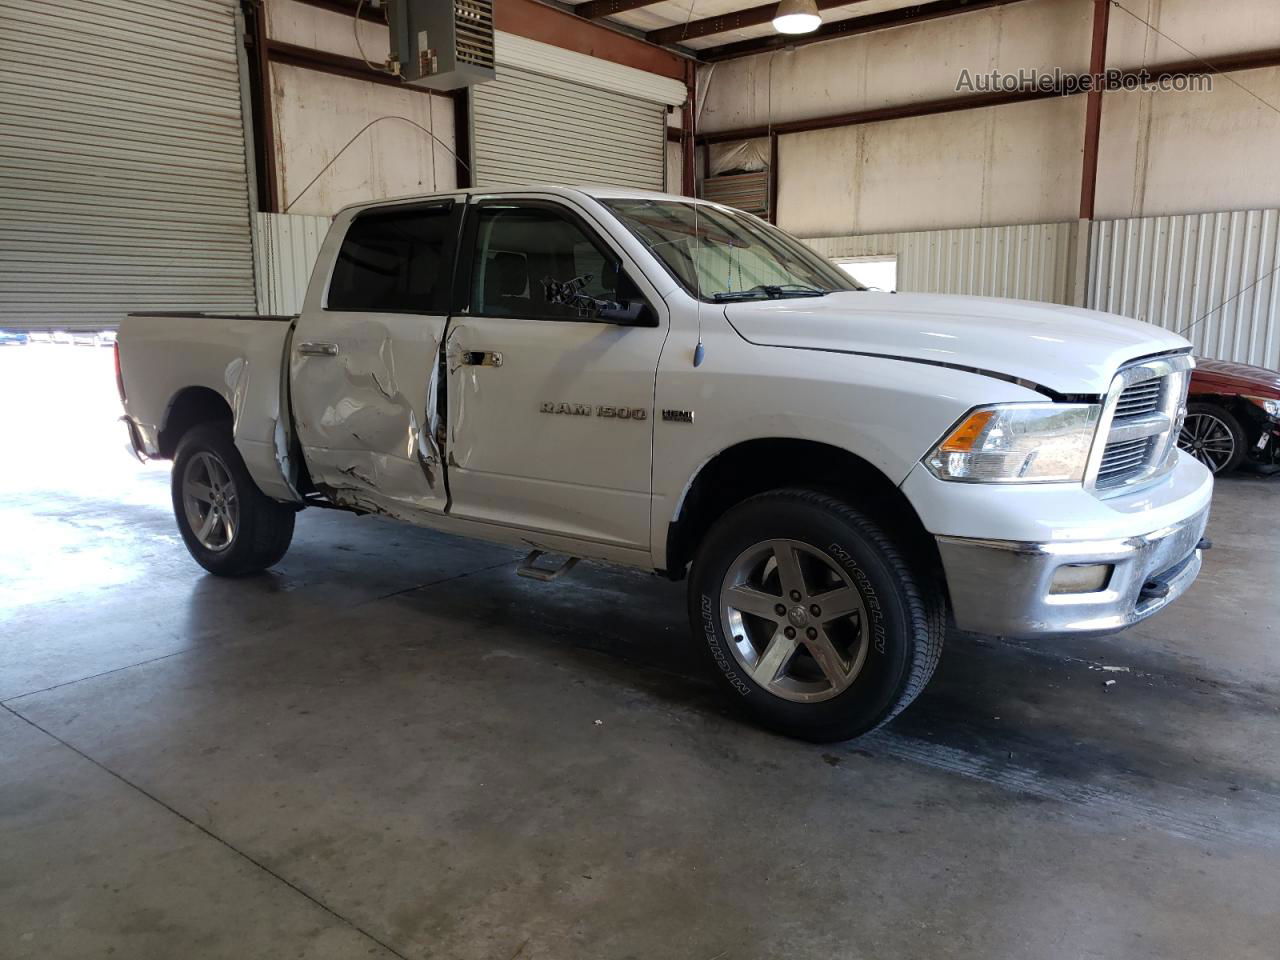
[(550, 411), (365, 360)]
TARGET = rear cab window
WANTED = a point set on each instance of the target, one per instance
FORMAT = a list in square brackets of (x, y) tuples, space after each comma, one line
[(396, 261)]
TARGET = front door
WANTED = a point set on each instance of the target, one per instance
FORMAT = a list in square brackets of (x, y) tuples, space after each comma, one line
[(550, 407), (365, 361)]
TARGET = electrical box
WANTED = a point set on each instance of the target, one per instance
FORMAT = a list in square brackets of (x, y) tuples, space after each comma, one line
[(442, 44)]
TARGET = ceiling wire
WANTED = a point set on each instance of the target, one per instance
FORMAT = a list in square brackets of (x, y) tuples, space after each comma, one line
[(1270, 106), (1156, 30), (1239, 293), (412, 123), (355, 29)]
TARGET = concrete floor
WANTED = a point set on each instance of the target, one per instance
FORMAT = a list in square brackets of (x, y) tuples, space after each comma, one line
[(391, 746)]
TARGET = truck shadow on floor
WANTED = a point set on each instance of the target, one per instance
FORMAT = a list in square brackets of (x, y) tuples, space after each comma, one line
[(1157, 745)]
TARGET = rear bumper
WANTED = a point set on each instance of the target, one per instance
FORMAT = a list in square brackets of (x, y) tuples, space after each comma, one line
[(142, 438), (1006, 587)]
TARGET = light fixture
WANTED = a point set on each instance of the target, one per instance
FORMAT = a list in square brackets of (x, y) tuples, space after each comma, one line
[(797, 16)]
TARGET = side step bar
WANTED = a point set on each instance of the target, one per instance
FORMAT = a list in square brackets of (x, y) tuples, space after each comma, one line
[(529, 567)]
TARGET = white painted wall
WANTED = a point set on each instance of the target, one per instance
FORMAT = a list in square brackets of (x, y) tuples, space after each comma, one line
[(1017, 164), (1173, 153), (308, 26), (316, 114), (674, 169), (891, 67), (1207, 29), (1166, 153)]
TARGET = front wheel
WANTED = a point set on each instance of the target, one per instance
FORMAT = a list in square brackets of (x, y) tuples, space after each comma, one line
[(813, 619), (230, 527)]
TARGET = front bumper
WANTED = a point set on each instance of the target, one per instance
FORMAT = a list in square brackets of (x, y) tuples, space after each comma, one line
[(1004, 587)]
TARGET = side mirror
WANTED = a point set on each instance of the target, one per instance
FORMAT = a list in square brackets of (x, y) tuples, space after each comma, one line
[(629, 313)]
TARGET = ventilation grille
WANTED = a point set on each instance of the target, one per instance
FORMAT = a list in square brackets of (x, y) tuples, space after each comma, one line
[(1139, 399), (746, 191), (474, 21), (1122, 460)]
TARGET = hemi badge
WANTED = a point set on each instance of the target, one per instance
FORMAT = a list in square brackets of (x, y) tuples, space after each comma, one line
[(677, 416)]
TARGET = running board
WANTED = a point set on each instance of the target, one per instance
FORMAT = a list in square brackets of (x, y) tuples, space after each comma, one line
[(529, 567)]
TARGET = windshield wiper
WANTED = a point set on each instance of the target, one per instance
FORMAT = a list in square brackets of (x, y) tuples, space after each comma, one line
[(773, 291)]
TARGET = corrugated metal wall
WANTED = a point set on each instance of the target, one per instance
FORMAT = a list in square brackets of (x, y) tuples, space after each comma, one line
[(1214, 277), (123, 183), (286, 249), (530, 128), (1027, 262)]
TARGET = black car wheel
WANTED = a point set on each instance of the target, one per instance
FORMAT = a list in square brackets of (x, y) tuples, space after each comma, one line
[(1213, 436), (230, 527), (814, 620)]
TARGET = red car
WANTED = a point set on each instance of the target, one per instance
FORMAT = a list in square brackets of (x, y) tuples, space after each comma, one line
[(1233, 416)]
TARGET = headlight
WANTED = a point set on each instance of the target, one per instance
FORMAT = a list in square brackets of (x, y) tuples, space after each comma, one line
[(1270, 407), (1018, 443)]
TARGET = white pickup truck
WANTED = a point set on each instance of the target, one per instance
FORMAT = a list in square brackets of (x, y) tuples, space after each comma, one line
[(679, 387)]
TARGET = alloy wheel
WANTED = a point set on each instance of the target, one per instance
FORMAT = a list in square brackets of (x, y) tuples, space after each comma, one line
[(795, 620), (1208, 439), (210, 501)]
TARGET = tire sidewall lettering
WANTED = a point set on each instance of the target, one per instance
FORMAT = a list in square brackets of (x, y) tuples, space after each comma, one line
[(723, 661), (870, 598)]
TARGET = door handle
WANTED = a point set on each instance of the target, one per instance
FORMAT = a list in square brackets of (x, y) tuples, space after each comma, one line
[(481, 358), (316, 349)]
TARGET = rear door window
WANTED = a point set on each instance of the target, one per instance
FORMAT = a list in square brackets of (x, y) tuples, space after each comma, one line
[(396, 261)]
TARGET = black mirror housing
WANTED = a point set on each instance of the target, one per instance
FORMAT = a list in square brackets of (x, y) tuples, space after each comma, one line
[(629, 313)]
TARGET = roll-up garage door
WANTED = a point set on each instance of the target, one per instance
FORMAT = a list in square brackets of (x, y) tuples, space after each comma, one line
[(123, 183), (532, 128)]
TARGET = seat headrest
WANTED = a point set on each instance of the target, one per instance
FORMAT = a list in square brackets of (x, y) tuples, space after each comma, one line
[(509, 273)]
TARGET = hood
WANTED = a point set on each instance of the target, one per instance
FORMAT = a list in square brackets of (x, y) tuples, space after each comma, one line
[(1066, 349), (1236, 378)]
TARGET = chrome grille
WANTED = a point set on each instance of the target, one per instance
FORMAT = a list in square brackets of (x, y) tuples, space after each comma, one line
[(1121, 458), (1140, 398), (1143, 408)]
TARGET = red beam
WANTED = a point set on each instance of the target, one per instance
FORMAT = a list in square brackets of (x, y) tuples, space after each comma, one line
[(462, 137), (334, 63), (597, 9), (725, 22), (263, 109), (1254, 60), (689, 120), (1093, 109), (900, 112), (570, 31), (534, 20), (918, 13), (348, 8)]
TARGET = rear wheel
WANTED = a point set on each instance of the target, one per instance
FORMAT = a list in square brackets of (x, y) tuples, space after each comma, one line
[(813, 618), (230, 527), (1213, 436)]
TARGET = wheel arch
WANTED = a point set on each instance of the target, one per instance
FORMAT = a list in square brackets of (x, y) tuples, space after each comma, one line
[(1233, 403), (755, 466), (187, 408)]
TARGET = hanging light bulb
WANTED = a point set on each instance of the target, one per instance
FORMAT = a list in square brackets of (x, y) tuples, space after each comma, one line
[(797, 16)]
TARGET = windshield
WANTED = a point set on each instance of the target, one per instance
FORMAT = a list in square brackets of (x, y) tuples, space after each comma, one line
[(723, 255)]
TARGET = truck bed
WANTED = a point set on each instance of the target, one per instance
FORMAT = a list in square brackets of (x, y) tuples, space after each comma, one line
[(170, 362)]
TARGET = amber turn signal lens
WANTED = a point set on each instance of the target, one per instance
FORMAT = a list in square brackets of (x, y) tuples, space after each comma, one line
[(965, 437)]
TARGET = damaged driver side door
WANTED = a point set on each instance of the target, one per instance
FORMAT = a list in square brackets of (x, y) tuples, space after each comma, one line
[(365, 361)]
